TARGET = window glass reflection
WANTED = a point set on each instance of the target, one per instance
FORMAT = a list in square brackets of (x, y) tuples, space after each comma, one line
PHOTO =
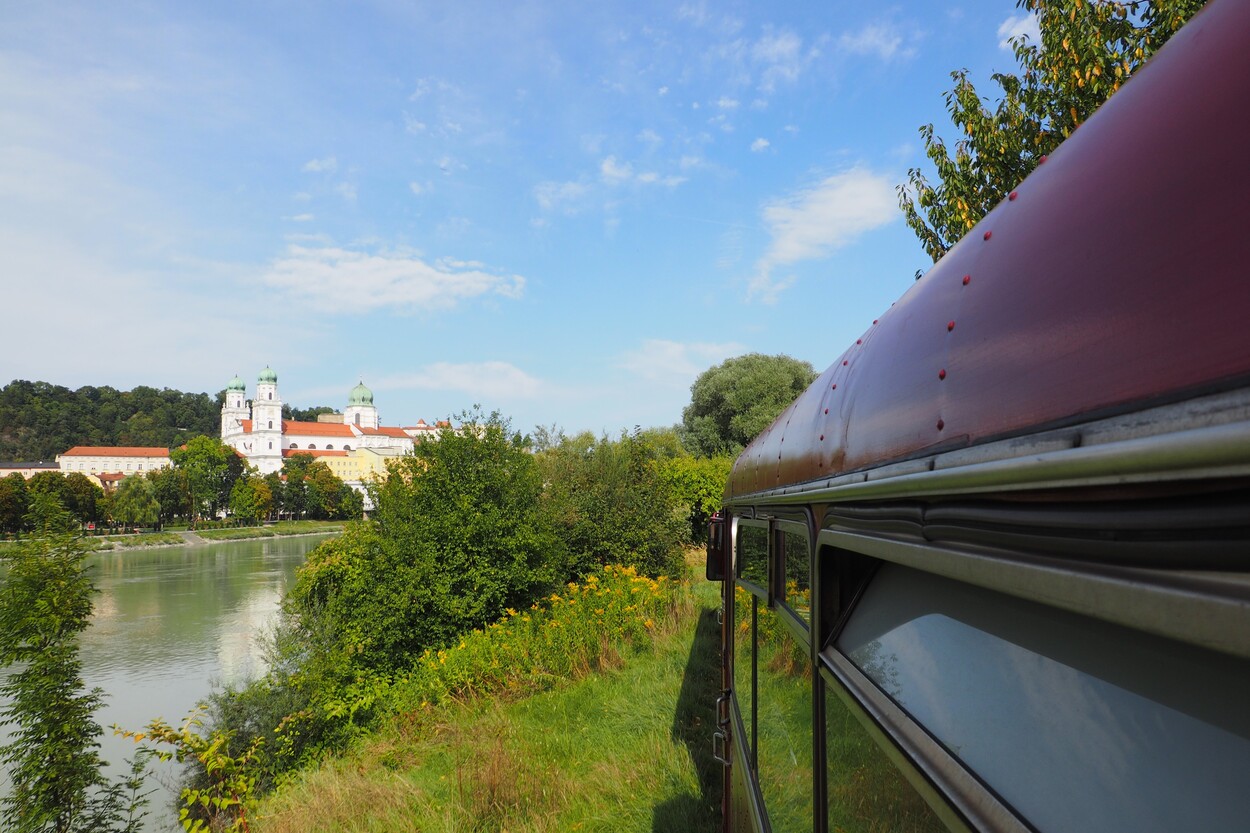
[(1135, 731), (797, 593), (753, 555), (744, 661), (866, 792), (784, 716)]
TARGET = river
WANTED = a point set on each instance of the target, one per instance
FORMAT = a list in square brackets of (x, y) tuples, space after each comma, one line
[(170, 624)]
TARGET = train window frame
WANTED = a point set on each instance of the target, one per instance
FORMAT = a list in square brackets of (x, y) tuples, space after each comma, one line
[(799, 628)]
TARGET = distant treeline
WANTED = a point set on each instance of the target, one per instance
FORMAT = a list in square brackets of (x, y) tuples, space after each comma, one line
[(39, 420)]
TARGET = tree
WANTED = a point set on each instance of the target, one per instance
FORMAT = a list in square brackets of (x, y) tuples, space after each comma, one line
[(172, 493), (134, 502), (609, 504), (458, 537), (697, 484), (14, 503), (1088, 51), (83, 497), (277, 490), (250, 499), (211, 468), (295, 490), (734, 401), (52, 757)]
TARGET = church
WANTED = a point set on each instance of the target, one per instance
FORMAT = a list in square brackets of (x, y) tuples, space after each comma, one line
[(260, 434)]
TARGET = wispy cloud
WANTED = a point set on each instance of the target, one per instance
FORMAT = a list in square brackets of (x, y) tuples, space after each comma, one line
[(880, 39), (492, 380), (614, 172), (813, 222), (334, 279), (563, 196), (760, 144), (780, 56), (326, 165), (675, 364), (1016, 26)]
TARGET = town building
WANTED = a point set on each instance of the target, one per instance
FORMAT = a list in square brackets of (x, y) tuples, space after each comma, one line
[(350, 443), (97, 460), (26, 469)]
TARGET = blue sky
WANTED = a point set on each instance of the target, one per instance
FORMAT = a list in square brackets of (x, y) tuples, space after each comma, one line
[(565, 211)]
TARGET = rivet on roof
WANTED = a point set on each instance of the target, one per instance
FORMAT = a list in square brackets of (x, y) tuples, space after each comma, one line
[(967, 279), (940, 425), (950, 325), (1012, 196), (987, 235), (942, 373)]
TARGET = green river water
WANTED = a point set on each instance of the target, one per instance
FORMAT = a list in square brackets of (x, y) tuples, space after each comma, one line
[(169, 625)]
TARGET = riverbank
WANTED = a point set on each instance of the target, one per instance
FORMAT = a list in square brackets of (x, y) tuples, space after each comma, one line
[(183, 538)]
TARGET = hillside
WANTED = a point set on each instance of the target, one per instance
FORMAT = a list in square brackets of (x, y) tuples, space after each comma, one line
[(39, 420)]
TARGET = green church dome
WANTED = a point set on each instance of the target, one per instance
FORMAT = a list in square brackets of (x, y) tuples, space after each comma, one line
[(236, 384), (360, 395), (268, 376)]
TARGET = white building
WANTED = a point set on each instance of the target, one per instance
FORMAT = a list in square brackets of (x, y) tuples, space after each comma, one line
[(96, 460), (264, 438)]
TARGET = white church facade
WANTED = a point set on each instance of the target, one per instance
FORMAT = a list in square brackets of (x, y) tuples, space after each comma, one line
[(260, 434)]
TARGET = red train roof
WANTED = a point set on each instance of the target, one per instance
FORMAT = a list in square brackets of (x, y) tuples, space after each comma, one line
[(1114, 277)]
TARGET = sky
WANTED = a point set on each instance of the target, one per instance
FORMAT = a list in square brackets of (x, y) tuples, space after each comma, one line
[(564, 211)]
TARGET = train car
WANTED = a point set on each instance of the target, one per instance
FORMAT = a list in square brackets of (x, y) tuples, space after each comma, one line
[(991, 571)]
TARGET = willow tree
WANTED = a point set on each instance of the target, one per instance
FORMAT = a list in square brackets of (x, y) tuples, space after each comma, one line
[(1088, 50)]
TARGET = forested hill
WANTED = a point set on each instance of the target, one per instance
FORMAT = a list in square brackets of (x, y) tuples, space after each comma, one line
[(39, 420)]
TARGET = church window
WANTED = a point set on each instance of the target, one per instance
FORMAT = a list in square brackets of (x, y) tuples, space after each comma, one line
[(294, 445), (312, 445), (329, 445), (347, 448), (357, 418), (271, 397), (271, 443), (271, 423)]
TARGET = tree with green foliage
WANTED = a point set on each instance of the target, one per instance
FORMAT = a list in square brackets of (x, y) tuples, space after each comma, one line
[(250, 499), (14, 503), (1088, 50), (697, 484), (295, 491), (458, 536), (83, 497), (52, 757), (134, 502), (211, 468), (277, 491), (609, 505), (172, 492), (734, 401)]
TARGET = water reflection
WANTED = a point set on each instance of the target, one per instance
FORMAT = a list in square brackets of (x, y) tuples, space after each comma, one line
[(170, 623)]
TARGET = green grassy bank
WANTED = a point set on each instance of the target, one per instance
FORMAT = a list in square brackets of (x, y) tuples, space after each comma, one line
[(625, 747)]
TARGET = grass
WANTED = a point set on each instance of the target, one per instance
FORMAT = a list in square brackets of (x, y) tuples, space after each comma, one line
[(273, 530), (600, 722), (143, 539)]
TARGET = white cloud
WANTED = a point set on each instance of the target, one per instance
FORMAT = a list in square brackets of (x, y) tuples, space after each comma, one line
[(492, 380), (346, 190), (334, 279), (760, 144), (302, 218), (727, 103), (417, 188), (327, 165), (780, 55), (559, 195), (880, 39), (813, 222), (1019, 26), (413, 125), (675, 364), (650, 137), (614, 172), (663, 91)]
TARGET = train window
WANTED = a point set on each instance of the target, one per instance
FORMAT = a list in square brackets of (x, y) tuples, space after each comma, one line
[(797, 594), (752, 560), (783, 723), (1135, 731), (865, 790), (744, 663)]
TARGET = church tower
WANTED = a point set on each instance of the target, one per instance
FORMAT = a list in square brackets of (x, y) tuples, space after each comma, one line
[(360, 410), (267, 423), (235, 410)]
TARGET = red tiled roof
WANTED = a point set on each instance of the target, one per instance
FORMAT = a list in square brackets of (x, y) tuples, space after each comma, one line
[(398, 433), (110, 477), (314, 452), (316, 429), (115, 451)]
